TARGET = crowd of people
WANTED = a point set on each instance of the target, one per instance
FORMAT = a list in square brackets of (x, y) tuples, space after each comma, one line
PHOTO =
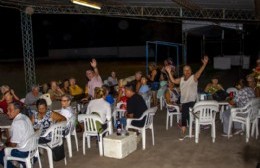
[(99, 97)]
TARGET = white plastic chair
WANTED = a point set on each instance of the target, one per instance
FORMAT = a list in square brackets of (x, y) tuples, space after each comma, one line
[(247, 116), (172, 110), (56, 131), (33, 152), (72, 132), (149, 113), (47, 97), (162, 103), (254, 117), (90, 129), (204, 113), (147, 98)]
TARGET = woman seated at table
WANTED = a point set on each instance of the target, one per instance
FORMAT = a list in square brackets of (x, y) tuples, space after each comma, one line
[(44, 118), (213, 86), (215, 90), (99, 105)]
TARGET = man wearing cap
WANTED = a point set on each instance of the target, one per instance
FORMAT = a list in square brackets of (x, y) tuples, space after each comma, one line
[(21, 130)]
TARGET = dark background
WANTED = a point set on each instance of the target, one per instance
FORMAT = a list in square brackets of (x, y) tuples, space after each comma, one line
[(83, 31)]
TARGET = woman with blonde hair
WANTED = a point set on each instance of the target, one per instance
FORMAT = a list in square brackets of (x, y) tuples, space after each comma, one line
[(99, 105)]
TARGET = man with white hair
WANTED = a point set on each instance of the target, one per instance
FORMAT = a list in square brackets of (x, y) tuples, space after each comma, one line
[(21, 131), (32, 96)]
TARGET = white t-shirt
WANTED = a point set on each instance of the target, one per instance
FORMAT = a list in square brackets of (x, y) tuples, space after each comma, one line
[(21, 130), (188, 89), (100, 106)]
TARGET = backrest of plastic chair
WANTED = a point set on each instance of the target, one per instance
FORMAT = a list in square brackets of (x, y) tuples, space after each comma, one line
[(47, 97), (33, 140), (206, 109), (172, 108), (119, 104), (90, 125), (71, 123), (255, 104), (56, 131), (149, 113)]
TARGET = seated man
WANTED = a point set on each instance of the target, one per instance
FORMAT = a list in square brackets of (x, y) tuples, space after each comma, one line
[(135, 105), (32, 97), (243, 96), (21, 130)]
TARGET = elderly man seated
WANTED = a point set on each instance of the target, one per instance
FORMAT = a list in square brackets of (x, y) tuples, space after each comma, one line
[(32, 97), (21, 130)]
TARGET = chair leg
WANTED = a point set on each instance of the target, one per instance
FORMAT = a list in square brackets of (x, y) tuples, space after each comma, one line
[(143, 138), (167, 120), (88, 141), (229, 126), (171, 118), (28, 163), (65, 160), (197, 131), (213, 127), (252, 129), (161, 103), (84, 144), (76, 139), (39, 159), (247, 131), (68, 139), (190, 127), (5, 162), (49, 152), (152, 131), (100, 145)]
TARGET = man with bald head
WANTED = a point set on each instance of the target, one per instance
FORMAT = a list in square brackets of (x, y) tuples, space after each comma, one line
[(188, 86)]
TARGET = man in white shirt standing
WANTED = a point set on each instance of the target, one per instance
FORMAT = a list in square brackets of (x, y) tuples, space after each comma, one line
[(21, 130), (189, 87)]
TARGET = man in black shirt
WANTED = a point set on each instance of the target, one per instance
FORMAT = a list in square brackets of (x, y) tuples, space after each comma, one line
[(135, 105)]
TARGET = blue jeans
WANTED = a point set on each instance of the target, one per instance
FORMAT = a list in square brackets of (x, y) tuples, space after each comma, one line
[(15, 153)]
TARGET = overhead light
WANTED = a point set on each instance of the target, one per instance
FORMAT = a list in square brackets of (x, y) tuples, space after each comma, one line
[(87, 4)]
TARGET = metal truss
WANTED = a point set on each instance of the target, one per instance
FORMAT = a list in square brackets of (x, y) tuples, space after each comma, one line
[(28, 51), (156, 12)]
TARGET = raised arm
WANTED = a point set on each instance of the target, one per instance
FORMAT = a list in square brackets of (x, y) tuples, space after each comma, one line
[(169, 74), (199, 72), (93, 64)]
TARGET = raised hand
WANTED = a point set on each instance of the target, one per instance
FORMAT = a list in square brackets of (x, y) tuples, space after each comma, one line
[(205, 60), (168, 68), (93, 63)]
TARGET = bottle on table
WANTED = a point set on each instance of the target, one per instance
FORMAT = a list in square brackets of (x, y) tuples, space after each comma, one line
[(118, 127)]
